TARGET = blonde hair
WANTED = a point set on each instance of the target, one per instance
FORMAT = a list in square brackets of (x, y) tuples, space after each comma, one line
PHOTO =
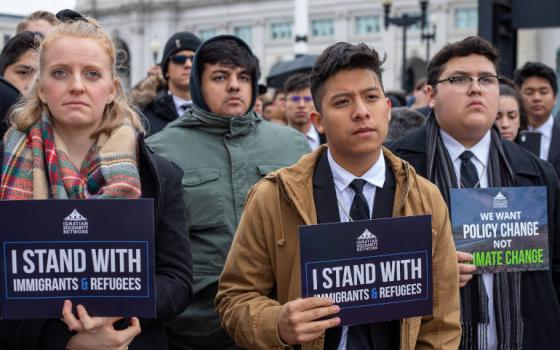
[(36, 16), (29, 110)]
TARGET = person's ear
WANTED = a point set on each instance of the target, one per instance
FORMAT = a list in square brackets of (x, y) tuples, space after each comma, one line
[(116, 85), (431, 95), (317, 121), (41, 93)]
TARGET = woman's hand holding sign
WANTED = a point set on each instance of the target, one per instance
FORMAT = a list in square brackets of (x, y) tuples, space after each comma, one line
[(465, 270), (97, 332), (299, 321)]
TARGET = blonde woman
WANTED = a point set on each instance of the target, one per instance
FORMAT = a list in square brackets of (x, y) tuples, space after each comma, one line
[(82, 140)]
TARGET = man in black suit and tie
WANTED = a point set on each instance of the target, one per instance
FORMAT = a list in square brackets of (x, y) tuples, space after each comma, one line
[(539, 88), (351, 178)]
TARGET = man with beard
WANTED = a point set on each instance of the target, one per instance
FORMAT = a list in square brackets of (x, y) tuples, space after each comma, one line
[(224, 148)]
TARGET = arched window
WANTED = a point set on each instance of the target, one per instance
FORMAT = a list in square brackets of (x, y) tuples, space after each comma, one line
[(123, 61)]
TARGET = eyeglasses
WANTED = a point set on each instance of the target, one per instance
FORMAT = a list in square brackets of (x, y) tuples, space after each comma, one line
[(297, 99), (181, 59), (462, 83)]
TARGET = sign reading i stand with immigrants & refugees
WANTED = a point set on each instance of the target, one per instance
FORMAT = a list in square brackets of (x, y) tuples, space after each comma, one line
[(97, 253), (375, 270)]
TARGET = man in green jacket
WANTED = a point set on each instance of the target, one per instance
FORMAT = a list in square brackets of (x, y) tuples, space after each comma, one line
[(224, 148)]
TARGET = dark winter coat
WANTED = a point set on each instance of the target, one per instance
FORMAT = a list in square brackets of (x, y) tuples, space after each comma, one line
[(161, 180), (159, 112), (540, 307)]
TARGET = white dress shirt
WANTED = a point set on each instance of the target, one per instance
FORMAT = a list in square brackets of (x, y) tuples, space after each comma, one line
[(180, 104), (546, 136), (375, 177), (312, 137), (481, 153)]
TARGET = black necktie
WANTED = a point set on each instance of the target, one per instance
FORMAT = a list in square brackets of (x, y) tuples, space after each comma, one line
[(359, 336), (469, 175), (359, 209)]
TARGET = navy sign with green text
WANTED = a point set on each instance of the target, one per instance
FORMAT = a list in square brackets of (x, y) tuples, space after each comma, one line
[(504, 228)]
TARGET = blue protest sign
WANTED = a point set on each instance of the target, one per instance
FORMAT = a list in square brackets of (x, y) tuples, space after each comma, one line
[(375, 270), (504, 228), (98, 253)]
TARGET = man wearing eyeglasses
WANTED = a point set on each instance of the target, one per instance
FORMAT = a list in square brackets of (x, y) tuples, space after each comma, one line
[(299, 105), (176, 67), (458, 147)]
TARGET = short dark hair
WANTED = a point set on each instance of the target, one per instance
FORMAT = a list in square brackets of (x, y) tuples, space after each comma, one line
[(228, 52), (508, 88), (536, 69), (18, 46), (296, 82), (276, 93), (338, 57), (472, 45), (403, 121), (420, 83)]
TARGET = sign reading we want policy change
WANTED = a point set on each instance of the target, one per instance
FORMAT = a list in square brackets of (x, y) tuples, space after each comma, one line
[(504, 228), (97, 253)]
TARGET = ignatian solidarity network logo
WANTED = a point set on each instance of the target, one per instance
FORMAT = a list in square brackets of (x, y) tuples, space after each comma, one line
[(75, 224), (366, 241), (500, 201)]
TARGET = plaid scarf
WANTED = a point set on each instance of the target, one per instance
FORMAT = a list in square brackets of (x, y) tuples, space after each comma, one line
[(36, 166), (507, 286)]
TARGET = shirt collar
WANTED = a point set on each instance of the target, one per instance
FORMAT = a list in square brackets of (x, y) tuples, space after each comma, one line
[(342, 178), (312, 134), (179, 101), (546, 128), (481, 150)]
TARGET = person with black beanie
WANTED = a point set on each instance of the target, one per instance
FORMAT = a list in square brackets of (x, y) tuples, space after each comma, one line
[(176, 67)]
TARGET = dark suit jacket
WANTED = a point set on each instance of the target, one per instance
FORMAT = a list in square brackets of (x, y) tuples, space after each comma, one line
[(540, 307), (384, 335), (160, 112), (554, 152)]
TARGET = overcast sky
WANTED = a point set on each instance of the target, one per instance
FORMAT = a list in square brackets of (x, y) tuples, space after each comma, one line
[(25, 7)]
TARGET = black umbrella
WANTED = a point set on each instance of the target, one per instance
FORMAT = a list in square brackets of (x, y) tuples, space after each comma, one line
[(283, 70)]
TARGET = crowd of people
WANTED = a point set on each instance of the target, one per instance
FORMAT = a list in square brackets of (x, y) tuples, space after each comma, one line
[(235, 170)]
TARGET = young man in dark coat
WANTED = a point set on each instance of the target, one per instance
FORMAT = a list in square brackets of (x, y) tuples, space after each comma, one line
[(539, 88), (176, 65), (502, 310)]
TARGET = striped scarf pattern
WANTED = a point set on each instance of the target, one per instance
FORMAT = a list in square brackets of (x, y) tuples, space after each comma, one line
[(36, 166), (507, 286)]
